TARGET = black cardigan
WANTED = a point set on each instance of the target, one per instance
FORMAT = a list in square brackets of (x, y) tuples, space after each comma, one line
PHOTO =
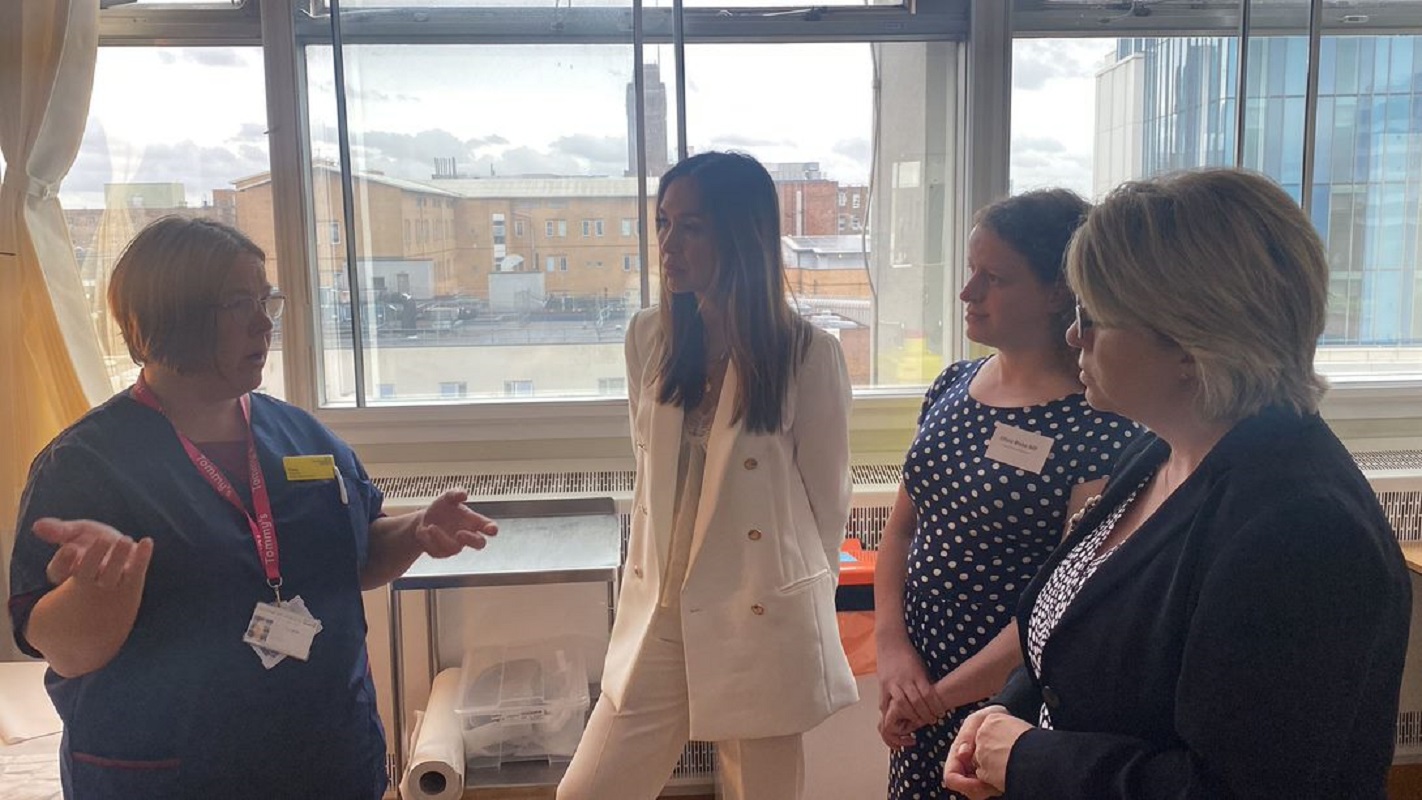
[(1246, 641)]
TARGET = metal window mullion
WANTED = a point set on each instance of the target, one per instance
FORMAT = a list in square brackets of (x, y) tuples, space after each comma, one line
[(1241, 91), (639, 84), (1362, 19), (291, 209), (348, 206), (679, 61), (181, 27), (604, 25), (989, 125), (1315, 32)]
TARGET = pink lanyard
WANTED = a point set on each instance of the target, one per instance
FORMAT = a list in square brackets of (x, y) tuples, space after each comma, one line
[(263, 528)]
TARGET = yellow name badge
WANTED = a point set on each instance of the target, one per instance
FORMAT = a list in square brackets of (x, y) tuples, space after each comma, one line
[(309, 468)]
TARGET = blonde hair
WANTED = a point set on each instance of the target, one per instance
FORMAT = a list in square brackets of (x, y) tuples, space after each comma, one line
[(1224, 263)]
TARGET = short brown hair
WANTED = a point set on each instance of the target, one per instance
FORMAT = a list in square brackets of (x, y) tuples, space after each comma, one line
[(1224, 263), (1039, 225), (164, 285)]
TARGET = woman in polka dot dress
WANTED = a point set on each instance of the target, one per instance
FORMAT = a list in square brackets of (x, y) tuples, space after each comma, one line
[(1006, 448)]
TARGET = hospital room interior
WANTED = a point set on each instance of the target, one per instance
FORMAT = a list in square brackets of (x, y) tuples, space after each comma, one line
[(465, 237)]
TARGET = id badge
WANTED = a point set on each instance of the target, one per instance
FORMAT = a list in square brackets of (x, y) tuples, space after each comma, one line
[(277, 632), (1018, 448)]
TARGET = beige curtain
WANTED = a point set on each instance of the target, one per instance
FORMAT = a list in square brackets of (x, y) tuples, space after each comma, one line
[(51, 368)]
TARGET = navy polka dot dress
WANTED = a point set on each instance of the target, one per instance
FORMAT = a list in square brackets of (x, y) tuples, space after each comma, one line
[(984, 529)]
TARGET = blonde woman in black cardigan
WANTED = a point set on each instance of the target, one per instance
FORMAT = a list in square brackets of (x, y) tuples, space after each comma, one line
[(1230, 620)]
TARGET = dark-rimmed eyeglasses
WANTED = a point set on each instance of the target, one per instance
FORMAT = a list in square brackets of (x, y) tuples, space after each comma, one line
[(244, 307)]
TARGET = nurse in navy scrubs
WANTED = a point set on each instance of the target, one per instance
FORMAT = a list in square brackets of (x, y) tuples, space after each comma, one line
[(190, 555)]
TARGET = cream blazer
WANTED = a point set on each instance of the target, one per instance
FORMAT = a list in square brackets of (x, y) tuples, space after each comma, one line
[(763, 655)]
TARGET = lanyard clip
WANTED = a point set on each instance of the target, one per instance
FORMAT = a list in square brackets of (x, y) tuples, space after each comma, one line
[(275, 584)]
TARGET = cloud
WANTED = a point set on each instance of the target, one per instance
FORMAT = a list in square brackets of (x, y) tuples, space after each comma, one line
[(1037, 62), (104, 159), (735, 141), (413, 156), (369, 94), (1028, 144), (424, 146), (856, 149), (250, 132), (1042, 161), (214, 56), (595, 149)]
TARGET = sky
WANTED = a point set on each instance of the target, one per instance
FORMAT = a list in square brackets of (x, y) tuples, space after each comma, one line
[(197, 115)]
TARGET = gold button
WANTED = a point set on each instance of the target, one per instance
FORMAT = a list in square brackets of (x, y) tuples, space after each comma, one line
[(751, 463), (754, 535), (757, 609)]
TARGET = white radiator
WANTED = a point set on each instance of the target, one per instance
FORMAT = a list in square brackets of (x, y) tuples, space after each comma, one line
[(1395, 475)]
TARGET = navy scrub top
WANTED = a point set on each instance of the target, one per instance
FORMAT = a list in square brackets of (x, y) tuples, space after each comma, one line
[(186, 709)]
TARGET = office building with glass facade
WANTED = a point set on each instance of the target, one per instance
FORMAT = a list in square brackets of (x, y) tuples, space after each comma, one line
[(1169, 103)]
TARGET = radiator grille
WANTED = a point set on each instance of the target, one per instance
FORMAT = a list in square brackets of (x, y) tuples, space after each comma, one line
[(1389, 459), (699, 758), (867, 525), (1404, 511), (512, 483), (865, 474), (1409, 733), (619, 481)]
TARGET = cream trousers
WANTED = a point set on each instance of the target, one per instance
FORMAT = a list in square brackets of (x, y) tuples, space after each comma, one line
[(629, 753)]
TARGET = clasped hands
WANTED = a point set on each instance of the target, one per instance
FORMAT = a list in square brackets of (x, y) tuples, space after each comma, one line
[(977, 760), (976, 766)]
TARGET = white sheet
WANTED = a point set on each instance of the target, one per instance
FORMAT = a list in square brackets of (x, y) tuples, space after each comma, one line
[(25, 709), (30, 770), (31, 731)]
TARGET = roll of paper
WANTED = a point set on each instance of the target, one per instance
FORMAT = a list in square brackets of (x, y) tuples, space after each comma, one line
[(436, 770)]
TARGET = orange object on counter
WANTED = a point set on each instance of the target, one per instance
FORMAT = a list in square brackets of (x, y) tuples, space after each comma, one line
[(856, 633), (856, 628), (856, 565)]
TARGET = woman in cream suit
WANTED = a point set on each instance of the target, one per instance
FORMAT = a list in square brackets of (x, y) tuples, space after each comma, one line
[(725, 626)]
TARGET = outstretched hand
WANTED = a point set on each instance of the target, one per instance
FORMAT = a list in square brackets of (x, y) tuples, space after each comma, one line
[(94, 554), (448, 526)]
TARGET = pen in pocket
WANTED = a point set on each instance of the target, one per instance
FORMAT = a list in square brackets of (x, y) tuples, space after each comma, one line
[(341, 484)]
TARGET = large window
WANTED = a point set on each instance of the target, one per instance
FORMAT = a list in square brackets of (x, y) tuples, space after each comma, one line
[(449, 187), (448, 142), (457, 140), (1089, 113), (171, 131)]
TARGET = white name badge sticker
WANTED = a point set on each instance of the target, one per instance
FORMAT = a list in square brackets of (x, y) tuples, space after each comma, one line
[(281, 631), (1015, 447)]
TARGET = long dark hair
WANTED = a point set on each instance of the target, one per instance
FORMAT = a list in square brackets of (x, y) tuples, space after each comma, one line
[(767, 338)]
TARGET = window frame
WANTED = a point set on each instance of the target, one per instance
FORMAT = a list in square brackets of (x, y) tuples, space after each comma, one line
[(533, 430)]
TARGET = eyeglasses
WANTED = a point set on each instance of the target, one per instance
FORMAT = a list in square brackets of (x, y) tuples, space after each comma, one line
[(246, 306), (1084, 322)]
